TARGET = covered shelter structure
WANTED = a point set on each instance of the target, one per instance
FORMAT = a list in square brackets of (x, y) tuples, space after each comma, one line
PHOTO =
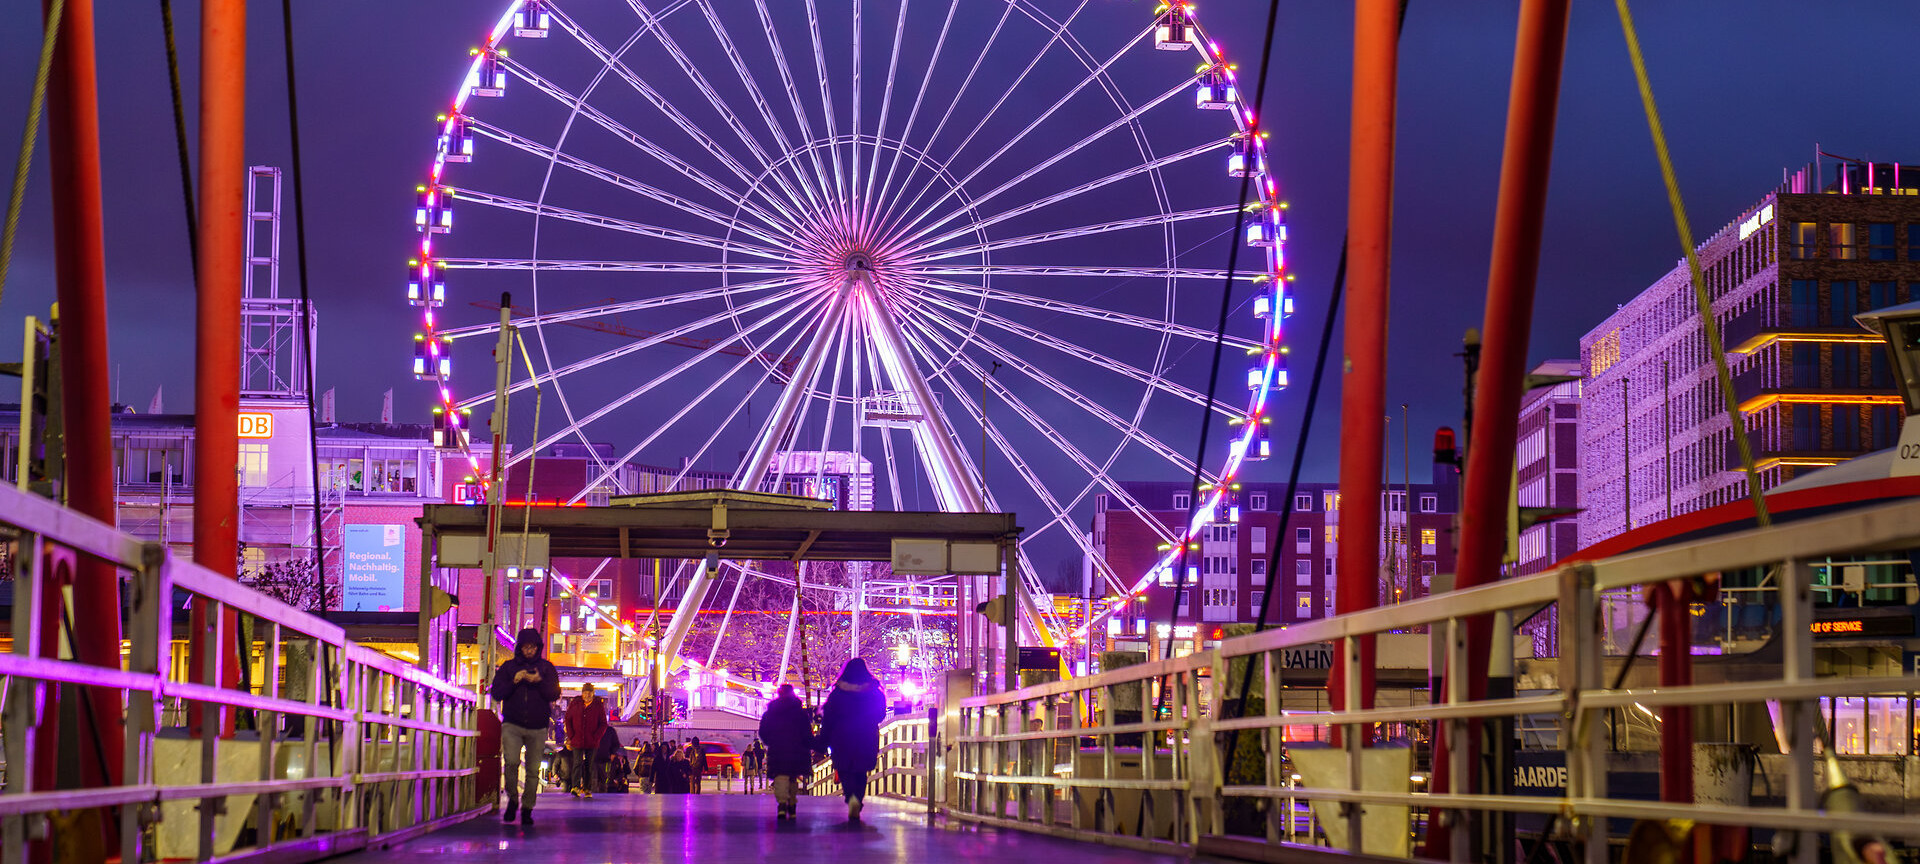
[(717, 525)]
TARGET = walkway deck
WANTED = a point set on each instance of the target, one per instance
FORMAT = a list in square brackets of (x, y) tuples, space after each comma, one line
[(724, 829)]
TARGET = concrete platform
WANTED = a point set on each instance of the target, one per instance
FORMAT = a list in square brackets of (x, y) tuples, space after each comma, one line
[(724, 829)]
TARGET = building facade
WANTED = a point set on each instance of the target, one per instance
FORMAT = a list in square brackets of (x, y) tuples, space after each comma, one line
[(1785, 279), (1547, 466), (1228, 576)]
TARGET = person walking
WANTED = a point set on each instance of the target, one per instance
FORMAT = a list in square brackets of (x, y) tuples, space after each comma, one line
[(675, 771), (755, 760), (603, 757), (850, 728), (586, 722), (526, 686), (697, 757), (643, 767), (788, 732)]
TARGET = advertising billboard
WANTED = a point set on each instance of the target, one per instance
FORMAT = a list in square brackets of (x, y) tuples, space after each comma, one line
[(373, 580)]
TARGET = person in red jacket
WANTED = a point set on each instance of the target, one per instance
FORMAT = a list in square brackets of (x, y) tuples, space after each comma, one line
[(586, 722)]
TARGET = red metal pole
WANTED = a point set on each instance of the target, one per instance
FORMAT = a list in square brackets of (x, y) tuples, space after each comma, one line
[(73, 150), (1671, 600), (1363, 400), (1533, 102), (222, 217)]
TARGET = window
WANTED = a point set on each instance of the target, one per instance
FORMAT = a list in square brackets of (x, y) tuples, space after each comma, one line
[(1428, 568), (1429, 503), (253, 464), (1801, 240), (1846, 427), (1880, 241), (1886, 425), (1330, 570), (1303, 503), (1303, 535), (1805, 369), (1333, 533), (1333, 501), (1257, 501), (1259, 599), (1843, 302), (1913, 241), (1303, 569), (1429, 537), (1259, 539), (1182, 501), (1260, 571), (1846, 366), (1842, 238), (1803, 303), (602, 588), (1880, 295), (1306, 603), (1806, 426)]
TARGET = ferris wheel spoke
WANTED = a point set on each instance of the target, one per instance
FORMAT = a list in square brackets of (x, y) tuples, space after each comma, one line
[(913, 240), (747, 79), (674, 164), (1055, 35), (611, 60), (807, 309), (886, 107), (1089, 312), (610, 309), (1156, 220), (1064, 272), (1059, 439), (720, 105), (1093, 409), (793, 91), (913, 115), (1083, 354), (629, 226), (1062, 514), (790, 313), (826, 102), (625, 266), (666, 337)]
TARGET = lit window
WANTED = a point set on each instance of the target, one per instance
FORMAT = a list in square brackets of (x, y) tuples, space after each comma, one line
[(1428, 536), (1800, 243), (1306, 603), (253, 464)]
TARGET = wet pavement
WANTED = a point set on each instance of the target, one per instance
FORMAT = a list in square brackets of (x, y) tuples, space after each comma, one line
[(720, 829)]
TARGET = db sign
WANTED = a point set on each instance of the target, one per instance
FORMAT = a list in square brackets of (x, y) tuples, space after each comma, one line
[(256, 425)]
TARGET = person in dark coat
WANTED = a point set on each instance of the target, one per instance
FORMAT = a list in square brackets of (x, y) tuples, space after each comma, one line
[(850, 727), (526, 686), (788, 733), (586, 721), (676, 774), (603, 757)]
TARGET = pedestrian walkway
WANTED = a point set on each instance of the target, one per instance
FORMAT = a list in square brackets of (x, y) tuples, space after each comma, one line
[(723, 829)]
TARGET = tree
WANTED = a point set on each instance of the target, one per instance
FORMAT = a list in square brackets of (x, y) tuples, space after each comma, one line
[(296, 582)]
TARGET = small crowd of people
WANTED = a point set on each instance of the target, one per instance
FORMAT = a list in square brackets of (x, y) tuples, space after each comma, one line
[(527, 688)]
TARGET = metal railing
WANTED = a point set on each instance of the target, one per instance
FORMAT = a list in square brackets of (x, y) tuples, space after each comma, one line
[(902, 770), (338, 746), (1134, 756)]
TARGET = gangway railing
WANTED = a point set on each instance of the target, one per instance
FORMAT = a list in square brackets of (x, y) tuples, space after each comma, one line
[(1147, 769), (902, 772), (338, 747)]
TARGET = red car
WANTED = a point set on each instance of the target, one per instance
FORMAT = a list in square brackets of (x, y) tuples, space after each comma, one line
[(721, 760)]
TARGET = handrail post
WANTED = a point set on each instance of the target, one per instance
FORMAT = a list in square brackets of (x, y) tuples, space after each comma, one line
[(1796, 665), (1580, 672)]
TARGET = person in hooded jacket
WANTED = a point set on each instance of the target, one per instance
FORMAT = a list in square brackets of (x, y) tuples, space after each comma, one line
[(788, 732), (526, 686), (850, 727)]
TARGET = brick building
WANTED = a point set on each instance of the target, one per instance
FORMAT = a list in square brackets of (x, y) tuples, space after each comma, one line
[(1228, 576), (1786, 278)]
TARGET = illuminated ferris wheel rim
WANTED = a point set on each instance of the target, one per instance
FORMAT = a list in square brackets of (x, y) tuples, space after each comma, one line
[(1174, 27)]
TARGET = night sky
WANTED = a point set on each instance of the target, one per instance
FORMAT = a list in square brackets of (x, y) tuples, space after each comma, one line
[(1746, 89)]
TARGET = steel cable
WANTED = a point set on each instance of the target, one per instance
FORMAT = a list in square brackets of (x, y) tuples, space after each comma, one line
[(24, 163)]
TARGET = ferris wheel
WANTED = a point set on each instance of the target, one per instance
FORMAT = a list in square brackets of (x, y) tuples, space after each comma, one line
[(974, 256)]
